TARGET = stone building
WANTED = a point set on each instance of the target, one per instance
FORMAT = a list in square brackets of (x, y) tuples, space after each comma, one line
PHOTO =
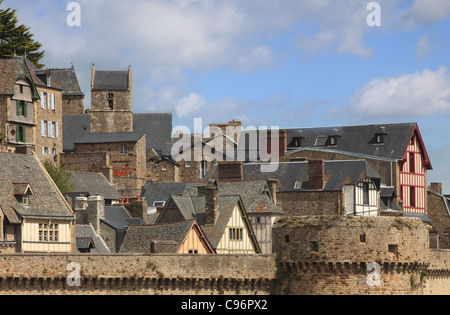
[(32, 109), (439, 213), (72, 96), (34, 216), (111, 101)]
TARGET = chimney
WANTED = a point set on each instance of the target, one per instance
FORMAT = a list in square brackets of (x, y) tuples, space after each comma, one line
[(273, 186), (81, 204), (231, 171), (436, 187), (316, 174), (211, 203), (137, 209), (282, 142), (96, 211)]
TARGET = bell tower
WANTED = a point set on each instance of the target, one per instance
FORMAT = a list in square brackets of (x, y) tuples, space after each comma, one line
[(111, 101)]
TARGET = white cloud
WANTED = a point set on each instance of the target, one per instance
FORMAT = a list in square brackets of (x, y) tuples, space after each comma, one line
[(189, 104), (426, 12), (409, 95)]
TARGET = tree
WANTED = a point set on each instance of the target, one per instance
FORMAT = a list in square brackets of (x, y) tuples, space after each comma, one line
[(17, 40), (60, 176)]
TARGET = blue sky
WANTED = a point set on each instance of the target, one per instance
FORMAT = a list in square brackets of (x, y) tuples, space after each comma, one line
[(287, 63)]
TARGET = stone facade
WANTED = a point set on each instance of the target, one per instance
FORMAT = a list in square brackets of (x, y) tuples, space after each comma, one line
[(73, 104), (439, 213), (301, 203)]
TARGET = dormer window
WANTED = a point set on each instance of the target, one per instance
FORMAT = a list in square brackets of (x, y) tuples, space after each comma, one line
[(332, 140), (297, 142), (379, 138), (22, 192)]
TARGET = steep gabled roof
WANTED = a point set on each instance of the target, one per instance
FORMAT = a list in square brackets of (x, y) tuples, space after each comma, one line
[(94, 184), (46, 200), (139, 238), (67, 80), (13, 68)]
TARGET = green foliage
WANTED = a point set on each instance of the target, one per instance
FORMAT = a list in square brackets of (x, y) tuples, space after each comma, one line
[(16, 40), (60, 176)]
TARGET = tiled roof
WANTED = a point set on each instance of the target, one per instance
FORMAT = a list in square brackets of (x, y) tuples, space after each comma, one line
[(292, 174), (157, 127), (138, 239), (85, 234), (67, 80), (94, 184), (110, 80), (254, 193), (46, 200)]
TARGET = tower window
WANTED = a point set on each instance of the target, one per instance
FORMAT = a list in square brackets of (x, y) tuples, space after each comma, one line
[(110, 97)]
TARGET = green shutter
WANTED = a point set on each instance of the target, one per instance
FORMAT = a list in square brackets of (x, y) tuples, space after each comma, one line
[(23, 135), (25, 108), (18, 108), (17, 134)]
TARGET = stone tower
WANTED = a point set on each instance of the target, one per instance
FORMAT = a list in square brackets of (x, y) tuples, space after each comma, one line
[(111, 101)]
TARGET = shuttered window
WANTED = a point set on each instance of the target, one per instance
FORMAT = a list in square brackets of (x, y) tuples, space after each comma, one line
[(43, 128)]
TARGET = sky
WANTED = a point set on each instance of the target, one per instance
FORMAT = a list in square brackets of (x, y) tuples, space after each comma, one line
[(285, 63)]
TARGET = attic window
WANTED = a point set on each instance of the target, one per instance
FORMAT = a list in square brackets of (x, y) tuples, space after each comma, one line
[(159, 203), (332, 140), (321, 141), (379, 138), (297, 142), (298, 185)]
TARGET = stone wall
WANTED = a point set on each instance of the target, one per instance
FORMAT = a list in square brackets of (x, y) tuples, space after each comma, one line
[(438, 212), (137, 274), (301, 203)]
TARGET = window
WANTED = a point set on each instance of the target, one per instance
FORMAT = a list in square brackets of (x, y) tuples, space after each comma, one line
[(123, 149), (412, 196), (20, 134), (365, 187), (110, 97), (412, 163), (287, 239), (43, 100), (193, 251), (362, 238), (21, 89), (22, 108), (48, 232), (393, 249), (314, 246), (332, 140), (321, 141), (297, 142), (53, 102), (159, 203), (379, 138), (43, 128), (164, 167), (51, 129), (236, 234), (188, 164)]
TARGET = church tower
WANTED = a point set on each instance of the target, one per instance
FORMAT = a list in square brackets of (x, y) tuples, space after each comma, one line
[(111, 101)]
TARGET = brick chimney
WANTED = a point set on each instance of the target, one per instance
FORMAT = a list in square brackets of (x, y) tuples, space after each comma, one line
[(282, 142), (137, 209), (211, 203), (316, 174), (231, 171)]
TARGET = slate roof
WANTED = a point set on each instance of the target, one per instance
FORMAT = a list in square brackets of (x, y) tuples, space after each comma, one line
[(360, 139), (138, 239), (337, 174), (110, 80), (67, 80), (254, 193), (109, 137), (10, 68), (94, 184), (46, 200), (85, 234), (193, 208), (157, 127)]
